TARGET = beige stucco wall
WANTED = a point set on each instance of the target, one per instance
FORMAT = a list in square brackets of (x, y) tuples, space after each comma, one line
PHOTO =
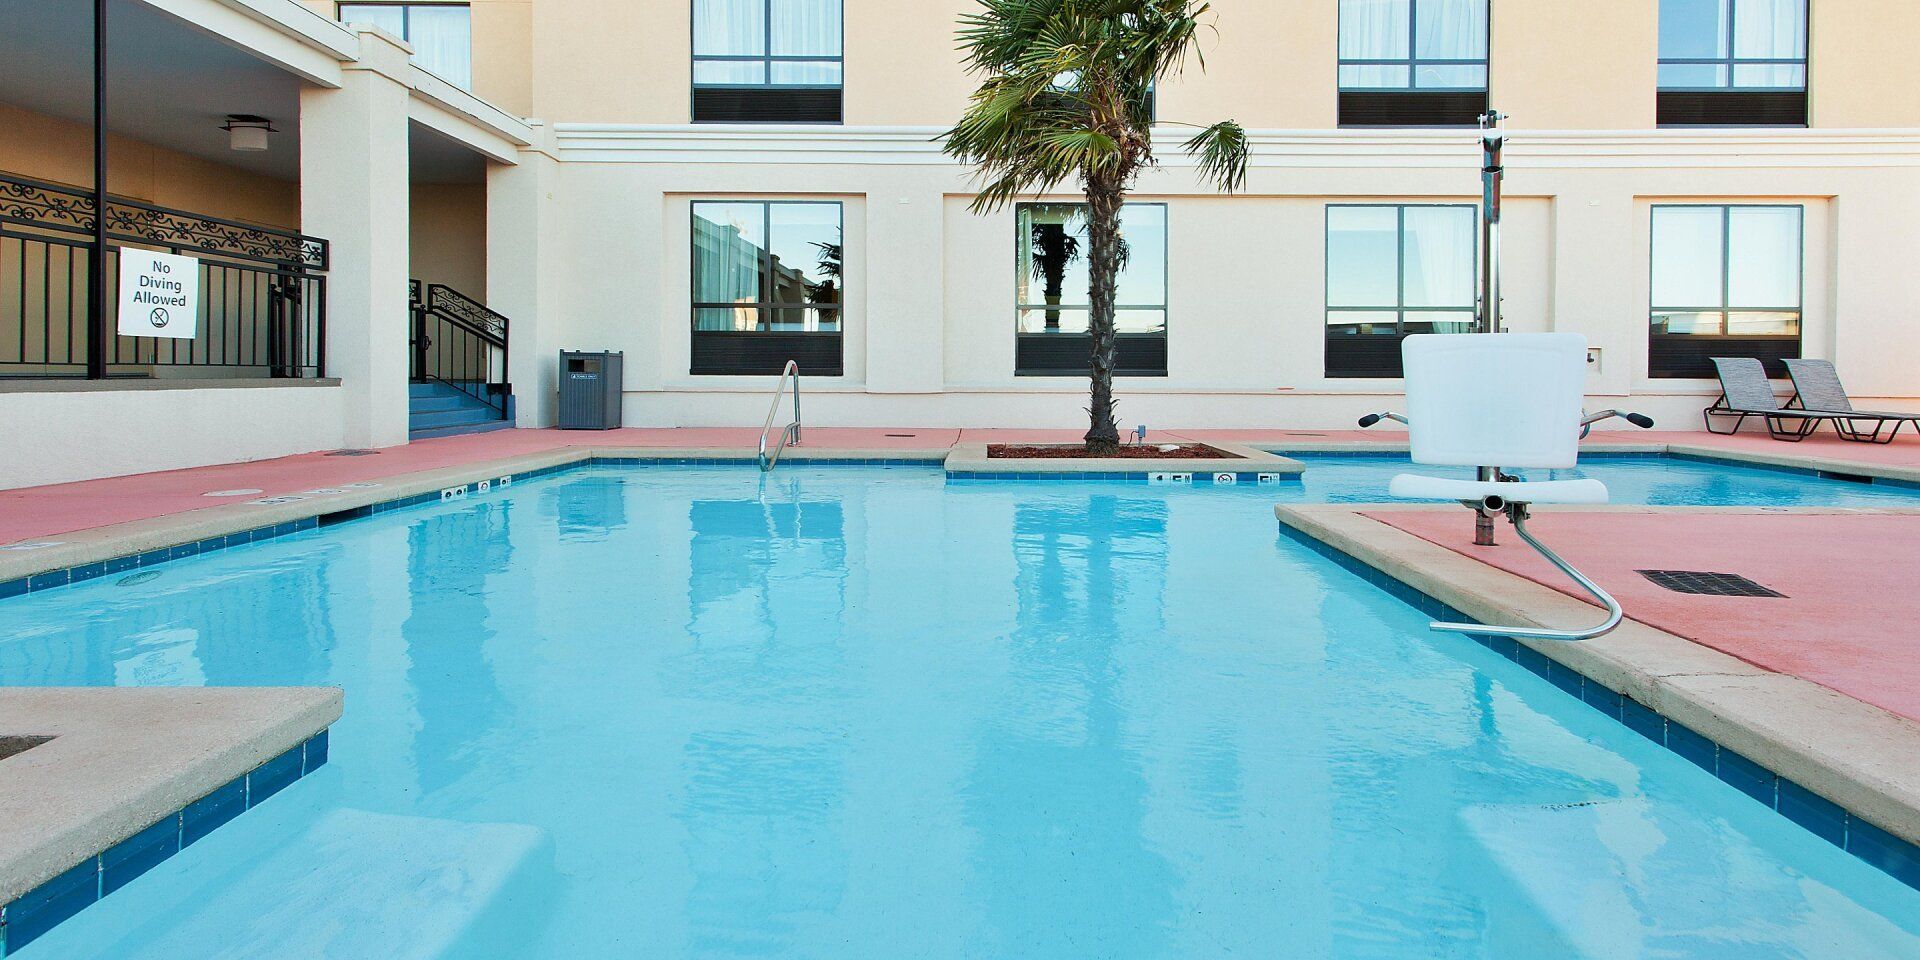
[(448, 236), (930, 317), (48, 148), (1863, 63), (1269, 63), (1554, 65)]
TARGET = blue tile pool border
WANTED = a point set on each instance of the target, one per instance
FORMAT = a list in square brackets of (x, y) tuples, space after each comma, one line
[(29, 916), (1818, 815)]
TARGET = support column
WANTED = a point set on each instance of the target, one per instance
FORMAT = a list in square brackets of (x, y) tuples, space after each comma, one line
[(353, 192), (905, 256), (524, 270)]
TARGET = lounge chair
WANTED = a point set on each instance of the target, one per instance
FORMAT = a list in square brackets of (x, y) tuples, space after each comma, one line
[(1817, 387), (1746, 392), (1501, 400)]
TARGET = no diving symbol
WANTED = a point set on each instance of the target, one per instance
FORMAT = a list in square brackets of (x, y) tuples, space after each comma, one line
[(158, 317)]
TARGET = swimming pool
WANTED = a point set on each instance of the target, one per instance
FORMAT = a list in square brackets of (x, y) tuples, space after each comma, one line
[(866, 712)]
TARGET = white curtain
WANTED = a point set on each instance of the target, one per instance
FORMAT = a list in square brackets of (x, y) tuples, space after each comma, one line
[(729, 27), (442, 38), (806, 28), (1373, 29), (389, 18), (1437, 247), (1451, 30), (1770, 29)]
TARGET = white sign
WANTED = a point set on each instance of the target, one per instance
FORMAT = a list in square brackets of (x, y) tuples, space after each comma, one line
[(159, 294)]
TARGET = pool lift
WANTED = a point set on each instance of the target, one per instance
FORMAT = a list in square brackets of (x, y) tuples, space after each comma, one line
[(1493, 173), (1506, 397)]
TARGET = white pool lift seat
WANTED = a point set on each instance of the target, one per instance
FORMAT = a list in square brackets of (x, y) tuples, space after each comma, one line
[(1502, 400)]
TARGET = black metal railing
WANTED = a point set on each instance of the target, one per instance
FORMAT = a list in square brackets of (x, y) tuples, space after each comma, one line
[(262, 297), (459, 342)]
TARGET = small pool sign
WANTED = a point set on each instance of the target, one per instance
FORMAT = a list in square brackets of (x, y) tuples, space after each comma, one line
[(159, 295)]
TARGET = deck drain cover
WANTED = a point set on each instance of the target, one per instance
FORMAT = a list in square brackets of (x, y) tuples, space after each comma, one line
[(351, 453), (242, 492), (1708, 584), (135, 579), (903, 435)]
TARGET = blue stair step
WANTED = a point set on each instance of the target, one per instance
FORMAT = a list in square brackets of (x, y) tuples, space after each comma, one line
[(438, 409), (451, 418), (432, 432), (436, 404)]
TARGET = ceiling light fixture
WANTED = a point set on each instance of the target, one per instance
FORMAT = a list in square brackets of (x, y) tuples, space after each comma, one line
[(246, 132)]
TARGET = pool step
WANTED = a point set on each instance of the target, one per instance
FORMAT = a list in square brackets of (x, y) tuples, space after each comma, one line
[(352, 884)]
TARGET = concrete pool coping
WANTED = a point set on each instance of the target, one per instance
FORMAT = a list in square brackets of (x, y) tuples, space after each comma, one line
[(1801, 462), (121, 759), (1850, 753), (972, 458)]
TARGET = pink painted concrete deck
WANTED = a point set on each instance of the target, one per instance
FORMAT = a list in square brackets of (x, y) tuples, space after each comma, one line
[(1847, 621)]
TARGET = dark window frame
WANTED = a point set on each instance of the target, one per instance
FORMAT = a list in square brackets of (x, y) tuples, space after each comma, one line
[(792, 93), (1400, 310), (406, 8), (759, 361), (1731, 60), (1139, 354), (1768, 348), (1413, 61)]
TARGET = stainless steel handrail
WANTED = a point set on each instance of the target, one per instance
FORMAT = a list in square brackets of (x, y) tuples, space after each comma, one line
[(790, 434)]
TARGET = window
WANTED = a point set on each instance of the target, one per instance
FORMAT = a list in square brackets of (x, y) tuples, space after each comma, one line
[(441, 34), (1392, 271), (1726, 283), (1733, 62), (1051, 293), (766, 61), (1413, 62), (768, 286)]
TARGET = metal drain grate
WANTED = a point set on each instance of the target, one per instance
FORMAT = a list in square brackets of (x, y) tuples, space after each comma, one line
[(1708, 584), (352, 453)]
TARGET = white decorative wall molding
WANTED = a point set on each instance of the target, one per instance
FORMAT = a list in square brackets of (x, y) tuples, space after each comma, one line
[(1400, 149)]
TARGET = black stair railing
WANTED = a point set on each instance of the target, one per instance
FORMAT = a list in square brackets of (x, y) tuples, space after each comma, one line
[(457, 341)]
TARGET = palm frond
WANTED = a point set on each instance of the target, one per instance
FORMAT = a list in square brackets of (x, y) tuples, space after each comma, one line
[(1222, 149)]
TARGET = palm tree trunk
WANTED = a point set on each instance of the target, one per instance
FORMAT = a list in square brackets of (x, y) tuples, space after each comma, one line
[(1103, 268)]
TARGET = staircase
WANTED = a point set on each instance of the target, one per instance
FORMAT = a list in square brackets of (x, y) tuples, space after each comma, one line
[(459, 365), (436, 409)]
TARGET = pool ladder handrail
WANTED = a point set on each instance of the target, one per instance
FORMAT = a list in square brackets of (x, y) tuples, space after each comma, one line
[(790, 434)]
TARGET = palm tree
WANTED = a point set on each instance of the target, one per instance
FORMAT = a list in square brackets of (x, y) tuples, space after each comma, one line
[(1066, 94)]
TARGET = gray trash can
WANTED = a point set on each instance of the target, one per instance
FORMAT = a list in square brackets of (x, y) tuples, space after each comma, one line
[(589, 390)]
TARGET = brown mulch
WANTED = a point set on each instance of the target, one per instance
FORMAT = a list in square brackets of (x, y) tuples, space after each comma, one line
[(1150, 451)]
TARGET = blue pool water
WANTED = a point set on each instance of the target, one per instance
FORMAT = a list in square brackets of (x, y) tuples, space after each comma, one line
[(688, 712)]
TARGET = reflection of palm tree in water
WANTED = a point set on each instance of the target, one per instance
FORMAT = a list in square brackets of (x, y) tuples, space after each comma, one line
[(1054, 249)]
